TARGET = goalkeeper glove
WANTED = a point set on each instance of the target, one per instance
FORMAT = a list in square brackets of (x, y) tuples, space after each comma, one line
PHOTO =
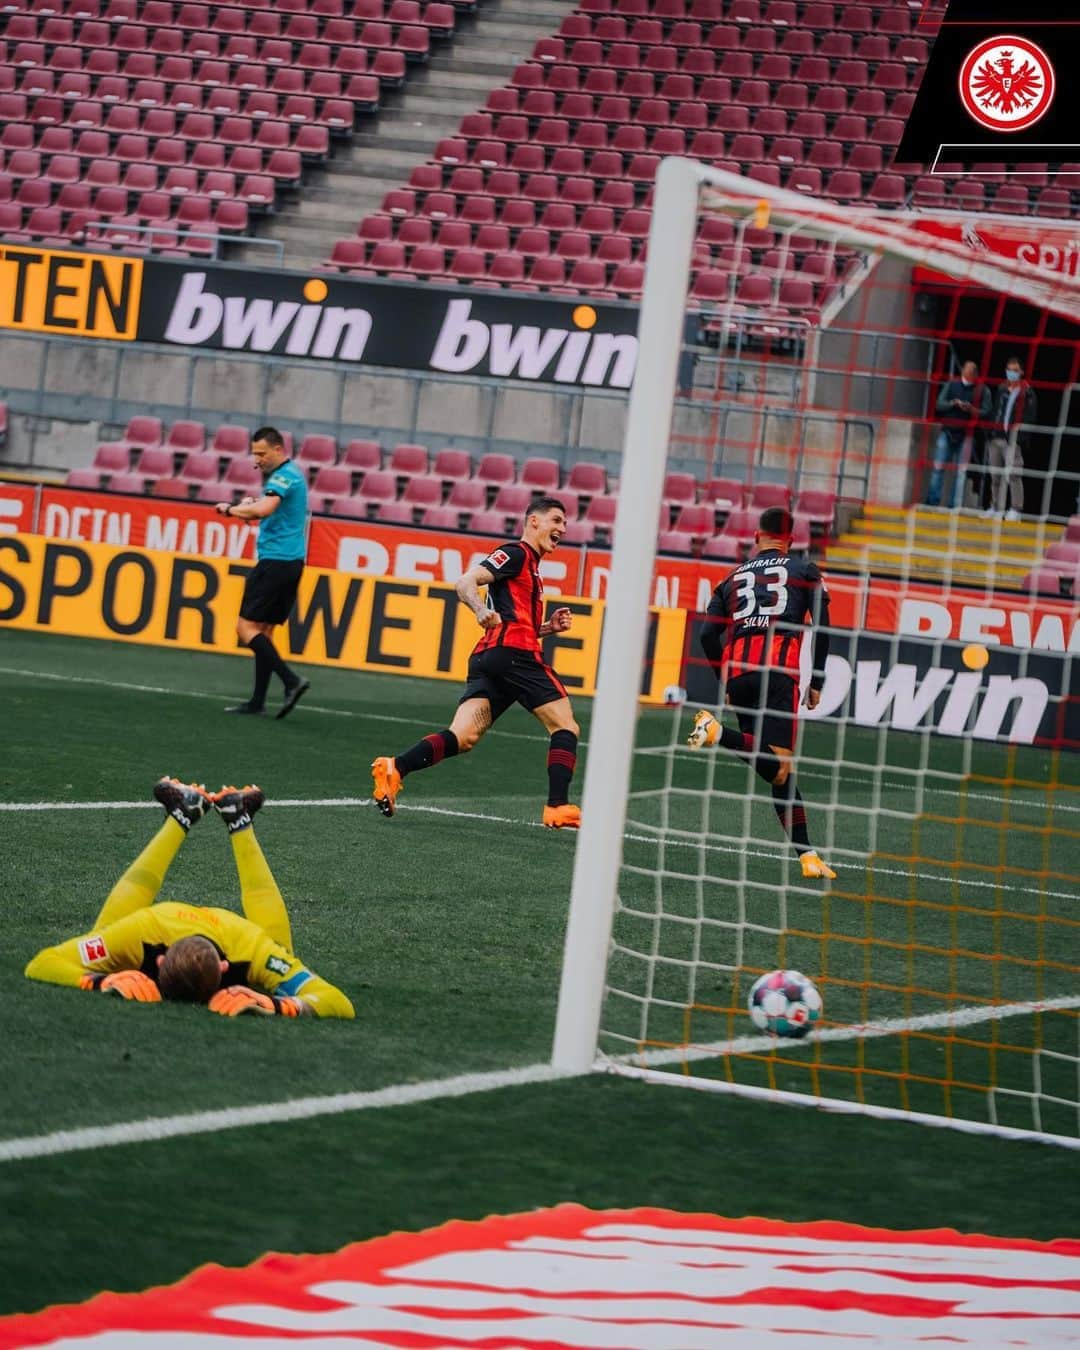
[(132, 985), (238, 999)]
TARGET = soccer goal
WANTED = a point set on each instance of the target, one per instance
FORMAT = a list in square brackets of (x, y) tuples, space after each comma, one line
[(941, 768)]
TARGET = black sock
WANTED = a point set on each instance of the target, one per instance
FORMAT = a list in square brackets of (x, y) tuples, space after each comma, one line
[(765, 766), (431, 750), (561, 762), (263, 670), (267, 659), (788, 802)]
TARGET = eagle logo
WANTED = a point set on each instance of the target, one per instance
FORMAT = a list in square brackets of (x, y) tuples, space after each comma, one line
[(1007, 83)]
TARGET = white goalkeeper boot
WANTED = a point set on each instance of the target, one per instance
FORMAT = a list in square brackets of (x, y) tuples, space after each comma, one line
[(706, 730)]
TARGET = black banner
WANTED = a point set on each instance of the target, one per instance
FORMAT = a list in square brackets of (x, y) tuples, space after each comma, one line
[(460, 330), (999, 87), (950, 688)]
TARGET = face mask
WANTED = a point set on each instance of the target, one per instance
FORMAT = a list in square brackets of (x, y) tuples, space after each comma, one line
[(1012, 374)]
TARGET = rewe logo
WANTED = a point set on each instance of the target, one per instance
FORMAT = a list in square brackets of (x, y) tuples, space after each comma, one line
[(901, 700), (202, 318), (561, 355)]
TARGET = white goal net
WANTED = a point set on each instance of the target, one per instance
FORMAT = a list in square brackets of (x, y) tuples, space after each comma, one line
[(940, 770)]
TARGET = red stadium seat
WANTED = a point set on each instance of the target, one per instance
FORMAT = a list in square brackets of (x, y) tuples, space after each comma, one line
[(360, 456)]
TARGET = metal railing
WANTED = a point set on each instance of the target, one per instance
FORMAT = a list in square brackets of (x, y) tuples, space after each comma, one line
[(48, 377)]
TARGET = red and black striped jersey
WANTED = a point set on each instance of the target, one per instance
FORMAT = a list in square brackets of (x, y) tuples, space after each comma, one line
[(760, 612), (516, 594)]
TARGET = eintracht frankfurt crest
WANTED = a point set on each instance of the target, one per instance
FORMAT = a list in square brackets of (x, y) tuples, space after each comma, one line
[(1007, 83)]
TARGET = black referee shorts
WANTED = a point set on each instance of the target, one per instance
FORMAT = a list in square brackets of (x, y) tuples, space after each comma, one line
[(506, 675), (270, 590), (766, 704)]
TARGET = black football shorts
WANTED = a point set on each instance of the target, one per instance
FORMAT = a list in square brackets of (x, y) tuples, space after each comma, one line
[(766, 704), (506, 675), (270, 590)]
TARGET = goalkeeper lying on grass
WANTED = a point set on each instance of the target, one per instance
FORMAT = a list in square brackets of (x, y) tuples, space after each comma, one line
[(194, 953)]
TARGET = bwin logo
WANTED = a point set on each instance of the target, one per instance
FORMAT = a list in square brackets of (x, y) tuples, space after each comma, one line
[(902, 700), (201, 318), (527, 352)]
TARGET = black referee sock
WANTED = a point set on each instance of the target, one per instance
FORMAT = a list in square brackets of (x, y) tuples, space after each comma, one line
[(788, 803), (263, 669), (431, 750), (267, 663), (765, 766), (561, 763)]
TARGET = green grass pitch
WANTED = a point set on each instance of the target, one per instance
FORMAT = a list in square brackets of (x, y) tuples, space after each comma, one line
[(445, 927)]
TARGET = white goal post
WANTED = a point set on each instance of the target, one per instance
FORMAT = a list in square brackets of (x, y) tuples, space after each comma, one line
[(684, 189)]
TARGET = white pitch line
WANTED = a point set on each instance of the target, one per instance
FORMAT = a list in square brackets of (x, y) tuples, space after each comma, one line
[(155, 1128), (969, 794), (221, 698), (892, 1026), (669, 841)]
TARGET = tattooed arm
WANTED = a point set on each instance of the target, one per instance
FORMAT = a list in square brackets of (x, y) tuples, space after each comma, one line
[(468, 592)]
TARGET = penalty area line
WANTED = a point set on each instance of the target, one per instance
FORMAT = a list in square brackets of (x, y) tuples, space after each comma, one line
[(155, 1128), (670, 840)]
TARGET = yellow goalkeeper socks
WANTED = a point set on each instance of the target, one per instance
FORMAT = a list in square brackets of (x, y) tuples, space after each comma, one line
[(262, 901), (139, 885)]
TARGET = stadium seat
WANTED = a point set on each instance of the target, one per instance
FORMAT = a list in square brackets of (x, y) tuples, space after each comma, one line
[(201, 467), (579, 532), (764, 495), (143, 431), (330, 482), (132, 483), (1047, 581), (674, 541), (423, 490), (695, 520), (315, 452), (540, 475), (587, 480), (112, 457), (513, 499), (242, 475), (231, 440), (452, 465), (724, 547), (441, 517), (172, 488), (490, 523), (186, 438), (85, 478), (817, 507), (1064, 551), (407, 459), (679, 488), (395, 513), (360, 456), (495, 470), (742, 525), (378, 485), (354, 508), (156, 461)]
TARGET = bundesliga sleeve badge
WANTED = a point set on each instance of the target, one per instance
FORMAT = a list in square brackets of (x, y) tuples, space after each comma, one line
[(1007, 83)]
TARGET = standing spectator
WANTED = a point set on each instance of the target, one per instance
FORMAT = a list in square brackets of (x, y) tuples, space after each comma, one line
[(960, 405), (1015, 408), (270, 590)]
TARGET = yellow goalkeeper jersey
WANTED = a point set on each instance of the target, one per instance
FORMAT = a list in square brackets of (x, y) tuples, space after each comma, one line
[(136, 942)]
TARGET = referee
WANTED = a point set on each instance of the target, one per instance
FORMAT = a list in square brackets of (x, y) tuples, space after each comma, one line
[(270, 589)]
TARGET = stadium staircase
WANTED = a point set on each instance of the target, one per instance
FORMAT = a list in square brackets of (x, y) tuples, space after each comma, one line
[(925, 543)]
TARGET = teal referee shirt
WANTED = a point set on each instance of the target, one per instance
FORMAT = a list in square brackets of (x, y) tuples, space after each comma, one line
[(281, 536)]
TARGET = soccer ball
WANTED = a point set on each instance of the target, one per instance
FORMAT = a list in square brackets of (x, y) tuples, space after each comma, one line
[(784, 1002)]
